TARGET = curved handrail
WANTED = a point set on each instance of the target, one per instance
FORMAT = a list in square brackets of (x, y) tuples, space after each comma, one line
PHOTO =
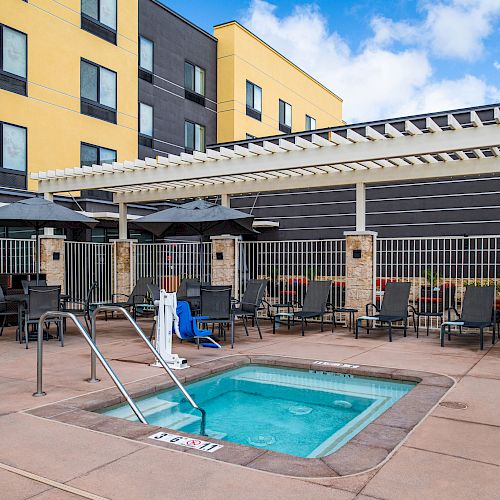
[(138, 329), (95, 353)]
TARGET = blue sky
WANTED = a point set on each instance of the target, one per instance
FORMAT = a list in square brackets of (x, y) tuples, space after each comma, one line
[(384, 58)]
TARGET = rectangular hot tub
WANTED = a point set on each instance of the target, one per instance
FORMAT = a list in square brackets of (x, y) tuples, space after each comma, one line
[(298, 412)]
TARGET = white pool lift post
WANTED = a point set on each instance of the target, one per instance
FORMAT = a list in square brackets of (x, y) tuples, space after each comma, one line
[(167, 322)]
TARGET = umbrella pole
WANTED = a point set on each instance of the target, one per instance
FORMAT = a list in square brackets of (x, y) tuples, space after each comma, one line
[(37, 255)]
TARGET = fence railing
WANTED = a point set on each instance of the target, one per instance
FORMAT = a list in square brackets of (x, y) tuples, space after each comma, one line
[(439, 269), (290, 265), (169, 263), (17, 256), (86, 263)]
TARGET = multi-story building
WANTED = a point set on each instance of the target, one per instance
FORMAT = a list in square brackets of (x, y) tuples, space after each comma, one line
[(68, 86), (261, 92)]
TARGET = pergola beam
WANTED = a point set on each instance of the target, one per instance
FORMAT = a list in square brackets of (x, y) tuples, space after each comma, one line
[(478, 137), (424, 171)]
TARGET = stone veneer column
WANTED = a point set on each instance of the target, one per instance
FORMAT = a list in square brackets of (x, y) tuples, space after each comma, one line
[(123, 260), (360, 272), (53, 259), (224, 270)]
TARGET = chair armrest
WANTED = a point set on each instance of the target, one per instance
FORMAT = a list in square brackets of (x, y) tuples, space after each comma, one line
[(199, 318), (115, 295), (138, 296), (367, 308), (412, 308)]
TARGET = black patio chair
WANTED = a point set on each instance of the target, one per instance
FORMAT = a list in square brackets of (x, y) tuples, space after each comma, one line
[(135, 299), (40, 300), (190, 291), (27, 283), (394, 308), (433, 303), (4, 310), (216, 308), (251, 303), (314, 306), (80, 307), (477, 313)]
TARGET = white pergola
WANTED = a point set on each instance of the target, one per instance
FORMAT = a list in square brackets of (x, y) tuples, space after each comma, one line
[(448, 144)]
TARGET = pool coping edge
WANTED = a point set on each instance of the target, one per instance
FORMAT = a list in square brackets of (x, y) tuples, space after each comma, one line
[(368, 449)]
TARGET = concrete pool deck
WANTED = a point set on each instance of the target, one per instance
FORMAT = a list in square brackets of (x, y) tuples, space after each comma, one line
[(452, 453)]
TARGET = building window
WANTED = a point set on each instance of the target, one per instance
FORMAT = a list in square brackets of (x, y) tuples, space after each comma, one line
[(310, 123), (146, 52), (285, 113), (254, 101), (13, 147), (194, 83), (95, 155), (98, 91), (13, 60), (194, 137), (250, 136), (99, 18), (145, 125)]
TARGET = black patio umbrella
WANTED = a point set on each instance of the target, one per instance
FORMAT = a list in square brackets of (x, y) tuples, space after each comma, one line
[(38, 213), (198, 217)]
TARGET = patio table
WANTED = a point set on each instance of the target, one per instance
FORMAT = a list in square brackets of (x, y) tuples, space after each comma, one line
[(346, 310)]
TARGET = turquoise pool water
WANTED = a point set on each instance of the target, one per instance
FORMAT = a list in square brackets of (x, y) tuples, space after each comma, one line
[(302, 413)]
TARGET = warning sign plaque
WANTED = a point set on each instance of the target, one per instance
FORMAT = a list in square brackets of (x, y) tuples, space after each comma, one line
[(187, 442)]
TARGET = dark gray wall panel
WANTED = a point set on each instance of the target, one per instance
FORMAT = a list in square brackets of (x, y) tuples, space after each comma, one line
[(175, 41), (441, 208)]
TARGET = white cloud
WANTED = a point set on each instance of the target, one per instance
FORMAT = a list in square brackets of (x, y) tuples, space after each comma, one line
[(496, 65), (383, 78), (452, 29)]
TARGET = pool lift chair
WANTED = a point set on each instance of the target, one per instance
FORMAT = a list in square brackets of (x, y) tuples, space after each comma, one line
[(175, 317), (167, 322)]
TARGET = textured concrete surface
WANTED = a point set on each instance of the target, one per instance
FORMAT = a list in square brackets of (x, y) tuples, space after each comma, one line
[(451, 454)]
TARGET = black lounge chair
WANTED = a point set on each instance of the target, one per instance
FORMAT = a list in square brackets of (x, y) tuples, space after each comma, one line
[(394, 308), (251, 303), (314, 306), (477, 312), (135, 299)]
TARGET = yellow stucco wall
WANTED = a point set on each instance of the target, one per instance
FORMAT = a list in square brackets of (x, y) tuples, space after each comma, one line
[(243, 56), (51, 111)]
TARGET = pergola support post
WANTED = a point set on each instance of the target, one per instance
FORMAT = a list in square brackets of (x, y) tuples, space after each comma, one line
[(225, 200), (123, 259), (360, 206), (48, 231), (361, 248), (53, 259), (122, 222), (225, 261)]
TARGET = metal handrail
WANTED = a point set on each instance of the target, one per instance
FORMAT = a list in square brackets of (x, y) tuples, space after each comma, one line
[(95, 353), (138, 329)]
